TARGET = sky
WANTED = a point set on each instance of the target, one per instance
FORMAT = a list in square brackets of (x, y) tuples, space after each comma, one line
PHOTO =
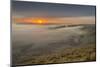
[(52, 12)]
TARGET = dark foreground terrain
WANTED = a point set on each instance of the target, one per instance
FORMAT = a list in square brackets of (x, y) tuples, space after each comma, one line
[(73, 43)]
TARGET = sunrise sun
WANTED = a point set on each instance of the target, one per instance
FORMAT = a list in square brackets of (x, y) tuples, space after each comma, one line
[(39, 21)]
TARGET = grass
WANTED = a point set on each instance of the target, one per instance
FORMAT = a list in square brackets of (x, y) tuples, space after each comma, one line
[(74, 55)]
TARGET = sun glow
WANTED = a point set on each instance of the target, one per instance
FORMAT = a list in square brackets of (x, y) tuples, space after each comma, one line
[(32, 20), (39, 21)]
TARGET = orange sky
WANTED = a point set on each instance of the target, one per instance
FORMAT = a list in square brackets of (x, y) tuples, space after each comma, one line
[(59, 20)]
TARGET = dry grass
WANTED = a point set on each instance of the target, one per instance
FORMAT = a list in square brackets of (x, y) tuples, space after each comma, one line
[(67, 55)]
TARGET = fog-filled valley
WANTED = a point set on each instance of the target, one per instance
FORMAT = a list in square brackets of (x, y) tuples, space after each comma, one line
[(43, 44)]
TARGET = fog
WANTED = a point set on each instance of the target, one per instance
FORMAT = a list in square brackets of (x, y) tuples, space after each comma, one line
[(41, 34)]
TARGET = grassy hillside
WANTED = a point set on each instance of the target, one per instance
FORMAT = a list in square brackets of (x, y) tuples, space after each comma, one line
[(67, 55)]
